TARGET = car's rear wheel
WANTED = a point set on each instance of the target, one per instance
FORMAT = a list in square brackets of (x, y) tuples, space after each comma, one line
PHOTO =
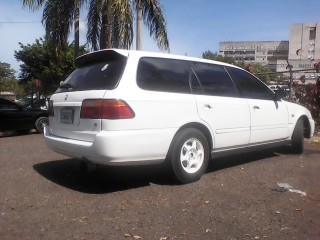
[(189, 155), (39, 124), (297, 139)]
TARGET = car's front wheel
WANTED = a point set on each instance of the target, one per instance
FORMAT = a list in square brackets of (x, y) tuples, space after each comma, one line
[(189, 155), (39, 124)]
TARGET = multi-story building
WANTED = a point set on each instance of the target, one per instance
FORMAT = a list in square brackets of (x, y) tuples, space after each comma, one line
[(302, 51), (263, 52), (304, 41)]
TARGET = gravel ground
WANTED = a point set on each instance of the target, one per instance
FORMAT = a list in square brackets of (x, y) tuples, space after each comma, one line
[(44, 196)]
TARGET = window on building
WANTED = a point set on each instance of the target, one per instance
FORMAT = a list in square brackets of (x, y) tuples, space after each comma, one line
[(312, 35)]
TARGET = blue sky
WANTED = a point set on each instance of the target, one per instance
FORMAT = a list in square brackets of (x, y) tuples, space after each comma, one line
[(194, 26)]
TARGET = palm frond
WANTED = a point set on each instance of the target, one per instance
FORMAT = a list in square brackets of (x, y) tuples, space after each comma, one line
[(33, 4), (154, 20), (58, 19), (94, 23), (122, 24)]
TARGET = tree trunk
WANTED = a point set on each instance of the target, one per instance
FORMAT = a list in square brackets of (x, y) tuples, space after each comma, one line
[(139, 27), (106, 34), (76, 30)]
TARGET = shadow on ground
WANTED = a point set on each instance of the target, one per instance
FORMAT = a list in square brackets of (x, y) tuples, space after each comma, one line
[(104, 179), (16, 133), (68, 173), (243, 158)]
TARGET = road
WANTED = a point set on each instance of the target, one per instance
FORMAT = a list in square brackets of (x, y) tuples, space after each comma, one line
[(44, 196)]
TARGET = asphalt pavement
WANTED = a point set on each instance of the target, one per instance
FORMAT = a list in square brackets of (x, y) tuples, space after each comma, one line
[(262, 195)]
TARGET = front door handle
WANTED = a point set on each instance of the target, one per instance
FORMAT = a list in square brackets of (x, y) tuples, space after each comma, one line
[(256, 108), (208, 106)]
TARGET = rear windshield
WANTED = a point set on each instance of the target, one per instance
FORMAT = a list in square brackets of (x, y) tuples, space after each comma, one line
[(96, 75)]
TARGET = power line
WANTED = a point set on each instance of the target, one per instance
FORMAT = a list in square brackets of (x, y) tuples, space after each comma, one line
[(18, 22)]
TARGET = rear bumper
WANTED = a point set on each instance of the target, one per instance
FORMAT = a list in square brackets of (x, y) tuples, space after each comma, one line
[(115, 147)]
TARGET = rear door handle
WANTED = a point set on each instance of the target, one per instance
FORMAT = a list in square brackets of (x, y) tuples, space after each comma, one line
[(256, 107)]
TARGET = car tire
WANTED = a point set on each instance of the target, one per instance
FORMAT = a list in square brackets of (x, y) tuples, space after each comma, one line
[(297, 139), (188, 155), (39, 124)]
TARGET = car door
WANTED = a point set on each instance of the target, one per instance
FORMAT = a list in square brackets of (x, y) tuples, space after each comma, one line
[(269, 116), (219, 105), (13, 116)]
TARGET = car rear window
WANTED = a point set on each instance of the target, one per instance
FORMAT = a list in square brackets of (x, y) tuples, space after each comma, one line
[(95, 75)]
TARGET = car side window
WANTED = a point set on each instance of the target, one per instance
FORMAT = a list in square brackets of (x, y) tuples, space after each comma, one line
[(4, 104), (249, 86), (160, 74), (214, 80)]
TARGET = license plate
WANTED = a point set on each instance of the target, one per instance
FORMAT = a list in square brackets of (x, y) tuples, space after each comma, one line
[(66, 116)]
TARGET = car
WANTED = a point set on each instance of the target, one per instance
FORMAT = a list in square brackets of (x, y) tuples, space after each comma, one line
[(281, 90), (125, 107), (14, 116)]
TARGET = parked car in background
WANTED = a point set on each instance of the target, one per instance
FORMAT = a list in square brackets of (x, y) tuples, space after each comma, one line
[(41, 102), (131, 107), (280, 90), (14, 116)]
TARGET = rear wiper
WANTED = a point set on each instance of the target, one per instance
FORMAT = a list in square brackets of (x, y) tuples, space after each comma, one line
[(66, 85)]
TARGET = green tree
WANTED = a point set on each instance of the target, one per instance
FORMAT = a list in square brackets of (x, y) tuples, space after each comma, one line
[(8, 81), (110, 23), (39, 61), (216, 57), (6, 72), (262, 72), (58, 18)]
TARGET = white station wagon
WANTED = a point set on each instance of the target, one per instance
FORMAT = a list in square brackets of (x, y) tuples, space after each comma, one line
[(130, 107)]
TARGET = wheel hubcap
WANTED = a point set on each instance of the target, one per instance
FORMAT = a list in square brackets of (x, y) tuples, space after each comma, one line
[(192, 155), (41, 124)]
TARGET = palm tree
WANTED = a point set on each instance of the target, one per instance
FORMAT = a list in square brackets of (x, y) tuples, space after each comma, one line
[(150, 11), (58, 18), (110, 23)]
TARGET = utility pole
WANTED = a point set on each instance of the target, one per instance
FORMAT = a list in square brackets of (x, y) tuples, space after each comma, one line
[(291, 79)]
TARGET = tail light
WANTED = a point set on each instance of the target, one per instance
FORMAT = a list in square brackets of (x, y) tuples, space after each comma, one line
[(51, 110), (106, 109)]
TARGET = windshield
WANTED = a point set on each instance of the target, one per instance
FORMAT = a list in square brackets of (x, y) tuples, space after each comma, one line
[(96, 75)]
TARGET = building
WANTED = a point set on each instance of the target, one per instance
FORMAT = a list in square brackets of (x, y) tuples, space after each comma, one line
[(302, 51), (304, 41), (263, 52)]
